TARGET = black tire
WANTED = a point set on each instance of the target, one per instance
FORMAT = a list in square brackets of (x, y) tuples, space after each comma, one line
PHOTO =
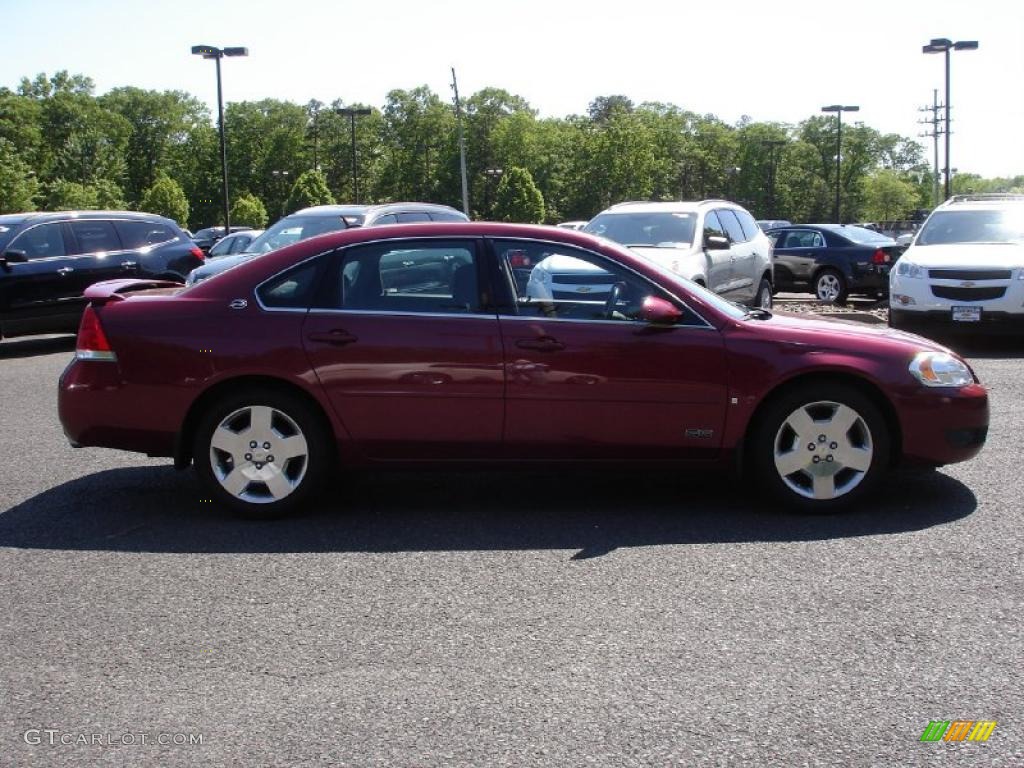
[(771, 432), (763, 297), (301, 477), (830, 287)]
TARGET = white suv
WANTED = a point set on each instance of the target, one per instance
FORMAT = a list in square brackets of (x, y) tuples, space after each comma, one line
[(712, 242), (965, 266)]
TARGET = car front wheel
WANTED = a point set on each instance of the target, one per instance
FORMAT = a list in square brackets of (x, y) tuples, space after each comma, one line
[(263, 454), (819, 449), (764, 295)]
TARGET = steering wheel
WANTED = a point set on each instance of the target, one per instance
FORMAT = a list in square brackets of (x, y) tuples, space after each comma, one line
[(613, 298)]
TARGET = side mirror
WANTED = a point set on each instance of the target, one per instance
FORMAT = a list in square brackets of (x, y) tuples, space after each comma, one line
[(657, 311), (12, 257), (716, 243)]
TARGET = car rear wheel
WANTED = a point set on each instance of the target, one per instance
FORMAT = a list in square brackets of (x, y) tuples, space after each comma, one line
[(262, 453), (763, 299), (830, 287), (821, 448)]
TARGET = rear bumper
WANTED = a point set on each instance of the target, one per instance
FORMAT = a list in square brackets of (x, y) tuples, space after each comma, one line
[(943, 428), (96, 409)]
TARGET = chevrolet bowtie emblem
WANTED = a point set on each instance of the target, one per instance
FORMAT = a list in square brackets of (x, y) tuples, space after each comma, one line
[(967, 284), (583, 289)]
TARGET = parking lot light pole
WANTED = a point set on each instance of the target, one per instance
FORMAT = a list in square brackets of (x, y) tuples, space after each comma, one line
[(352, 113), (839, 109), (210, 52), (944, 45)]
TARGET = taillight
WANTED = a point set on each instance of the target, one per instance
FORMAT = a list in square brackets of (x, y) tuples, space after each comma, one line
[(880, 257), (198, 253), (92, 342), (518, 259)]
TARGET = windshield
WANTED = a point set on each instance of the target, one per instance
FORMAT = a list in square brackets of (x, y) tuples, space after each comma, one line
[(1000, 226), (663, 229), (864, 235), (291, 229)]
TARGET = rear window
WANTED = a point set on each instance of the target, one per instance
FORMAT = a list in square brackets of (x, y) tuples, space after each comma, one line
[(865, 236), (139, 234)]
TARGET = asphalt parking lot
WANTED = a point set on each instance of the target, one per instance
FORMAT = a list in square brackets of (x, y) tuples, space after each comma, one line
[(453, 619)]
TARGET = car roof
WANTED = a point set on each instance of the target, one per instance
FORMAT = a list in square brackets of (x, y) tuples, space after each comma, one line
[(667, 206), (46, 215), (993, 201), (368, 210)]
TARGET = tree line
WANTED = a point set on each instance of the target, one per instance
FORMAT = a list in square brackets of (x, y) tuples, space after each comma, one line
[(63, 147)]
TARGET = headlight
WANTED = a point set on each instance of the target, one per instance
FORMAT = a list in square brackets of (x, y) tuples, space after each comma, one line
[(190, 279), (937, 369), (909, 269)]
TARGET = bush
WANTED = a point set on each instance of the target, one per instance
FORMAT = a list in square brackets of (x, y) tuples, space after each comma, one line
[(166, 198), (249, 211), (518, 199), (309, 189)]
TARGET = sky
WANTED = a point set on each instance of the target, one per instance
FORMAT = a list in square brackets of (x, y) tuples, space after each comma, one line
[(773, 61)]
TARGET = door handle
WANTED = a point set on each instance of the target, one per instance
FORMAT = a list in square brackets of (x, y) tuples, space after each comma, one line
[(337, 337), (65, 270), (541, 344), (129, 265)]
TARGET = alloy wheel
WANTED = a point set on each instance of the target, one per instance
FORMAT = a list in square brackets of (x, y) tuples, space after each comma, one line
[(828, 287)]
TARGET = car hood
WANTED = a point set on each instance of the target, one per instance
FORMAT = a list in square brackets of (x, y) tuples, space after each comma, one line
[(220, 264), (970, 255), (660, 252), (829, 332)]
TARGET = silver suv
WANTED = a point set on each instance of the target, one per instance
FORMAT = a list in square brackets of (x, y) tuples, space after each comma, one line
[(712, 242)]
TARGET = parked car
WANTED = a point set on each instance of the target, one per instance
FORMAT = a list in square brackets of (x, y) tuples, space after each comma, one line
[(766, 224), (47, 260), (206, 238), (415, 345), (572, 224), (965, 268), (329, 218), (832, 260), (714, 243), (236, 242)]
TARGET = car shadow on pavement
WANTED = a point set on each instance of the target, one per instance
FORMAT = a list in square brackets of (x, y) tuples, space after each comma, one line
[(1002, 347), (155, 509), (35, 345)]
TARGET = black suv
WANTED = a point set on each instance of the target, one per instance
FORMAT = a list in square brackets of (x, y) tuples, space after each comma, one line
[(47, 260)]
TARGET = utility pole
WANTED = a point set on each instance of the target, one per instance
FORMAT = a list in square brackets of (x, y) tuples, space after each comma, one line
[(462, 146), (772, 144), (936, 131)]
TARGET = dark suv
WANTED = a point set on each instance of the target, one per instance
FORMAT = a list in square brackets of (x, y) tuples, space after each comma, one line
[(47, 260)]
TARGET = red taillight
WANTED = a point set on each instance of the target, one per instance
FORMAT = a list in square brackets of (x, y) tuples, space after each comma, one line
[(518, 259), (198, 253), (92, 342), (880, 257)]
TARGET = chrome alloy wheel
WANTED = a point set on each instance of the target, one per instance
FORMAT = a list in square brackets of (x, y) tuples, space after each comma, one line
[(828, 287), (765, 299), (259, 454), (823, 450)]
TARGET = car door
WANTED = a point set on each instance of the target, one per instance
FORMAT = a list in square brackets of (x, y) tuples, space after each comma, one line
[(797, 252), (744, 282), (410, 359), (40, 290), (719, 261), (586, 379), (99, 253)]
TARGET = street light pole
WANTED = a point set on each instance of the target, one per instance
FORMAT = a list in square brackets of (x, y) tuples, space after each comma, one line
[(352, 113), (945, 45), (772, 145), (210, 52), (838, 109)]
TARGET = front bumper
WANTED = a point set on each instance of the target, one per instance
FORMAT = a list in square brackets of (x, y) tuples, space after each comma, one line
[(943, 426)]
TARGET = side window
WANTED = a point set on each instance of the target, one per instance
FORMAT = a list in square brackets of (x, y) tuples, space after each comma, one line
[(732, 226), (139, 234), (446, 216), (292, 289), (817, 241), (222, 247), (94, 236), (750, 228), (411, 216), (567, 283), (40, 242), (799, 238), (712, 226), (410, 277), (387, 218)]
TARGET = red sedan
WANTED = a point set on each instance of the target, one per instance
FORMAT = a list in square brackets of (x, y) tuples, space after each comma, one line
[(491, 343)]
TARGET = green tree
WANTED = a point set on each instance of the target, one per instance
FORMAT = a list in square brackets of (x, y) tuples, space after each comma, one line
[(248, 210), (62, 195), (309, 189), (18, 184), (166, 198), (109, 196), (518, 198), (887, 196)]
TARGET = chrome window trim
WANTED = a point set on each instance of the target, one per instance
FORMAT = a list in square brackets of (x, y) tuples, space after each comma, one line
[(644, 323), (403, 313)]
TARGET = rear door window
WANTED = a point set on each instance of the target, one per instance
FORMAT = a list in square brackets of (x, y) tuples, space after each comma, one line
[(139, 234), (411, 216), (750, 228), (95, 236), (732, 226)]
